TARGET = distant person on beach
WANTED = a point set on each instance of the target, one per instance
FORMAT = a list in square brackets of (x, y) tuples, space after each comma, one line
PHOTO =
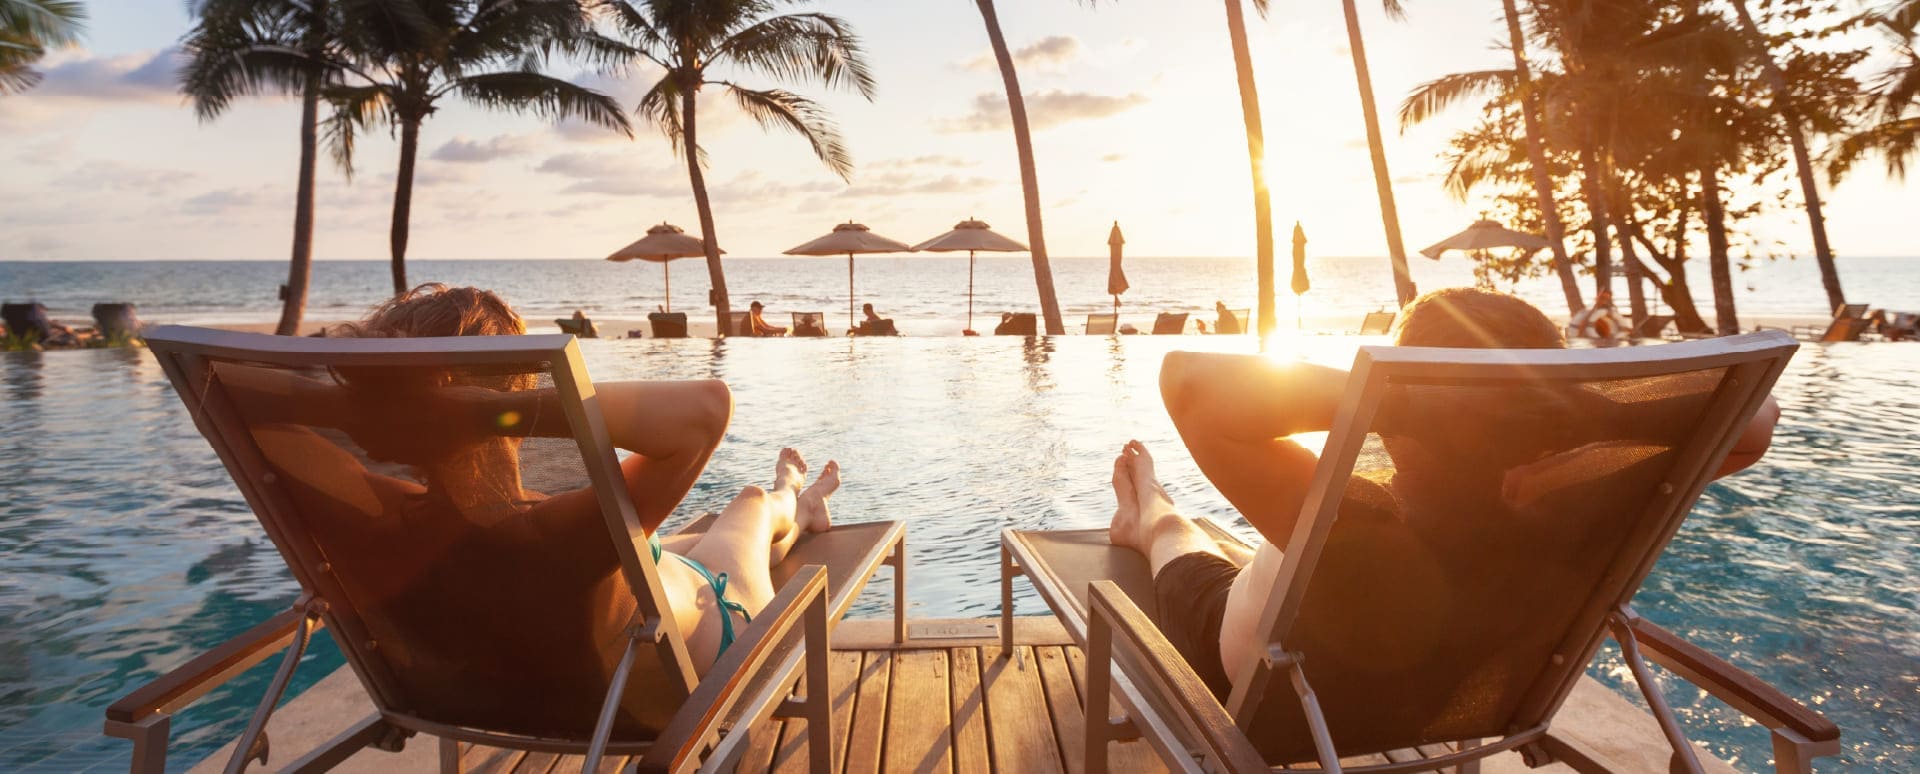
[(757, 324), (1598, 322), (470, 477), (1227, 322), (872, 324), (808, 325), (584, 326), (1237, 413)]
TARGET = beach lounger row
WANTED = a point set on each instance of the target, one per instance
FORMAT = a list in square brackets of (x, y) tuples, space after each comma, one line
[(1464, 648), (1164, 324)]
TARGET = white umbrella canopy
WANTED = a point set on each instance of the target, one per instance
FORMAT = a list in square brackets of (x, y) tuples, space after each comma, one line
[(662, 244), (972, 236), (848, 239), (1485, 235)]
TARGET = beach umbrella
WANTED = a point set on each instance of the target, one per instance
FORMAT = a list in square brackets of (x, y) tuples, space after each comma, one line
[(1484, 235), (1300, 283), (972, 236), (662, 245), (849, 238), (1116, 277)]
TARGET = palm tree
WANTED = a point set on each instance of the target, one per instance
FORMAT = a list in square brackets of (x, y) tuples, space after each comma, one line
[(241, 47), (1802, 163), (687, 39), (1256, 160), (408, 55), (1029, 176), (1537, 160), (27, 29), (1382, 179), (1896, 96)]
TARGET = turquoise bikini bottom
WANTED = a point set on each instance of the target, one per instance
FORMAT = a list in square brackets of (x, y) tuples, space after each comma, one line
[(719, 585)]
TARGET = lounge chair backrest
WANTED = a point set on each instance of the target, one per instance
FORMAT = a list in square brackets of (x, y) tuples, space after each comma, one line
[(1170, 324), (28, 319), (1234, 322), (1652, 327), (1102, 324), (1850, 312), (1844, 329), (809, 324), (401, 479), (1548, 483), (1377, 323), (1022, 324), (115, 322), (668, 325), (738, 325)]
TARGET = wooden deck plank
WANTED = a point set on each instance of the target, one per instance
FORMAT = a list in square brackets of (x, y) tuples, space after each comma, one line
[(536, 763), (791, 756), (844, 668), (1018, 727), (919, 714), (756, 757), (969, 707), (478, 759), (866, 733), (570, 764), (1137, 755)]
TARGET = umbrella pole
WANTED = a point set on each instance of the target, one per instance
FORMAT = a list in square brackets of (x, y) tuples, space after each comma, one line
[(969, 290), (850, 325), (666, 270)]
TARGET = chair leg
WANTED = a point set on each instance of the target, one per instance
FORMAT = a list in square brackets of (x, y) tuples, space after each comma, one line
[(899, 562), (253, 743), (610, 708), (1007, 573), (1683, 755), (819, 688), (449, 756), (1794, 753), (1099, 692), (149, 737)]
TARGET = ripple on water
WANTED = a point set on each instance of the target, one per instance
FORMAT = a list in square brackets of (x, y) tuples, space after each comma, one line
[(128, 550)]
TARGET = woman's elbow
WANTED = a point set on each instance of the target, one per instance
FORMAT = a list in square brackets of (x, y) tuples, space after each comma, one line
[(712, 408)]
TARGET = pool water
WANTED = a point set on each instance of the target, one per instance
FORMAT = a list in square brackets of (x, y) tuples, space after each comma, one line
[(125, 549)]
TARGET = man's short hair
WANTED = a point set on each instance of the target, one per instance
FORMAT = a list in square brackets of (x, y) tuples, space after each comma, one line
[(1481, 319)]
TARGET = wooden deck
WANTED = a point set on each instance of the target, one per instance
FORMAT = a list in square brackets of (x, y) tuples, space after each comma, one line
[(930, 705)]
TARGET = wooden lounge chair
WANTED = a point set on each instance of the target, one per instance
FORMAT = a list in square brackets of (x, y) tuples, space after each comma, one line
[(1900, 326), (1018, 324), (1170, 323), (1377, 323), (1102, 324), (116, 322), (739, 324), (430, 609), (1840, 328), (1653, 327), (1388, 639), (584, 328), (668, 325), (882, 327), (1235, 322), (811, 324)]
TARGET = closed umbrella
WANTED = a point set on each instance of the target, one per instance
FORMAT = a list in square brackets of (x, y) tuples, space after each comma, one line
[(1116, 277), (662, 245), (972, 236), (850, 238), (1300, 283), (1484, 235)]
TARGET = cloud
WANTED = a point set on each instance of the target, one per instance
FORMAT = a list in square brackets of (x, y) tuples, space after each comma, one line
[(461, 149), (1044, 110), (930, 160), (222, 200), (1113, 157), (1048, 53), (109, 175), (906, 184), (618, 174), (144, 75)]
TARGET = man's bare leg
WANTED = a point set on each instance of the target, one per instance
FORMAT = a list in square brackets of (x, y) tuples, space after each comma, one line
[(1145, 519)]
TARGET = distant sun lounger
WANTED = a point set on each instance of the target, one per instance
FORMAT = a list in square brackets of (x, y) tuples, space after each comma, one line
[(1234, 323), (1849, 321), (427, 606), (1380, 637), (582, 327), (1170, 323), (668, 325), (809, 324), (1018, 324), (1103, 324), (1377, 323)]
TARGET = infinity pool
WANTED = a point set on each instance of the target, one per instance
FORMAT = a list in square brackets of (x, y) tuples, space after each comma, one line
[(125, 550)]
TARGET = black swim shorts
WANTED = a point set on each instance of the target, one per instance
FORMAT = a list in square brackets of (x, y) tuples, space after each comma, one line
[(1191, 592)]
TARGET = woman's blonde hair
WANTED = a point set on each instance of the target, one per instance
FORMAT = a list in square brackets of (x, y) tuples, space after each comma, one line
[(434, 309)]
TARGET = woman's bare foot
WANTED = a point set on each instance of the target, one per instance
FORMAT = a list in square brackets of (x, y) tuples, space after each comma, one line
[(812, 507), (1153, 498), (1125, 529), (790, 471)]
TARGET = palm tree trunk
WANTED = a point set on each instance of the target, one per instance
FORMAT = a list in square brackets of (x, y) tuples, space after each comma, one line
[(1537, 161), (1629, 255), (1726, 321), (1257, 161), (1382, 180), (709, 243), (1029, 176), (294, 293), (403, 201), (1594, 189), (1802, 164)]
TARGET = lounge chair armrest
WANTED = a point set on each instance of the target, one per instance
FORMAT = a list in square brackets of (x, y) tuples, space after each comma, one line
[(1171, 677), (724, 684), (1745, 692), (186, 683)]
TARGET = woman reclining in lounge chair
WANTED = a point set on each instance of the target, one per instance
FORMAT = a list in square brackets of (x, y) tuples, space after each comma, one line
[(464, 476), (1235, 414)]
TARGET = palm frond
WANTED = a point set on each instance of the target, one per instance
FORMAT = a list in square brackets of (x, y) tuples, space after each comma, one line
[(777, 108), (45, 23), (1896, 141), (660, 106), (355, 108), (1434, 97), (1395, 11), (546, 96), (801, 47)]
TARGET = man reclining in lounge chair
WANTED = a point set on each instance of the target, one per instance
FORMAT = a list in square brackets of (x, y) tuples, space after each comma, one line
[(1235, 414), (461, 475)]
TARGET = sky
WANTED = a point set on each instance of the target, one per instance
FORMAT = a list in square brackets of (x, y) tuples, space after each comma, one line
[(1133, 104)]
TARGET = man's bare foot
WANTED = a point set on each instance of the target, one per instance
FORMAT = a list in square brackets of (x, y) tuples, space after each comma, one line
[(811, 510), (1125, 529), (790, 471)]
